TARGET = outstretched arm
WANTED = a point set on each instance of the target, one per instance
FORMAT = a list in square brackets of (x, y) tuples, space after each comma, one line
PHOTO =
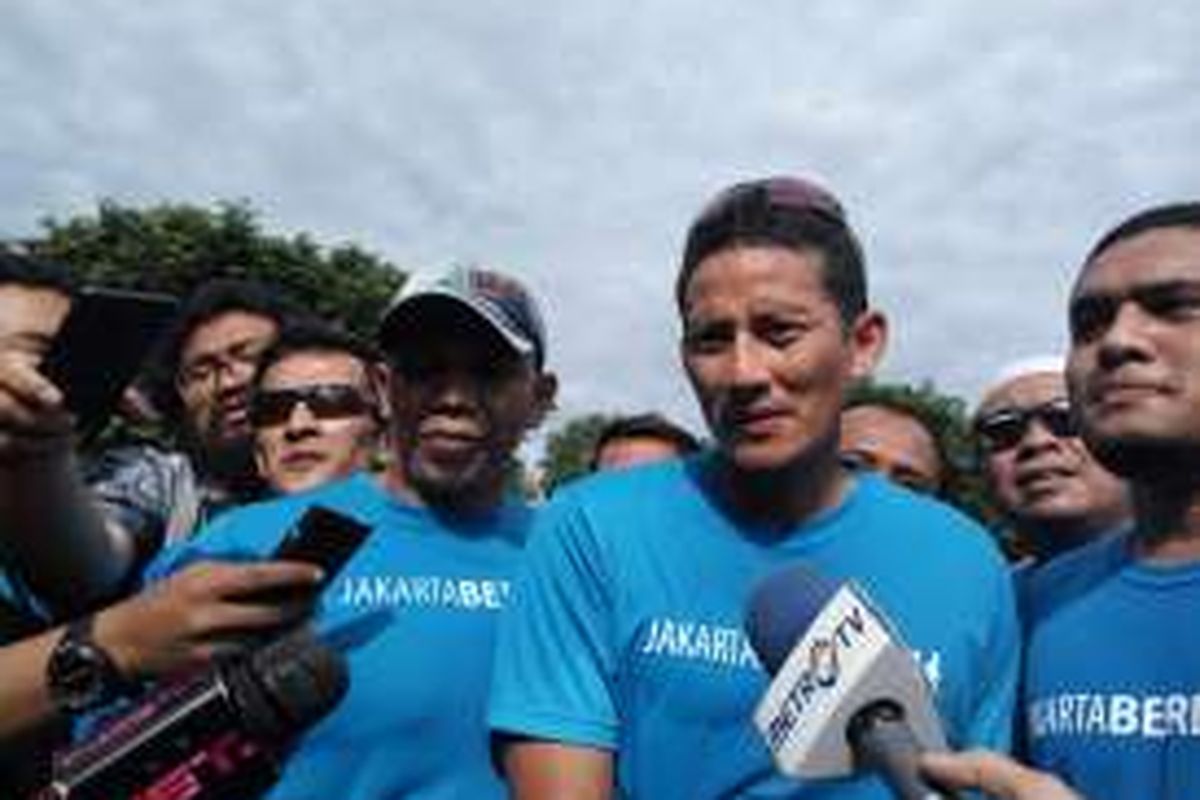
[(52, 532), (187, 619)]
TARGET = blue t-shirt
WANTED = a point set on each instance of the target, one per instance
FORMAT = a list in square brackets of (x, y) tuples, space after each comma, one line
[(412, 724), (625, 633), (21, 614), (1112, 683)]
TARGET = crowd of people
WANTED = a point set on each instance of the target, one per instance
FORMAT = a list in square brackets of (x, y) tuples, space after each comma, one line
[(591, 646)]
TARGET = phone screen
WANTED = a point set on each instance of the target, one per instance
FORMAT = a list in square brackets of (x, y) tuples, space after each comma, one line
[(102, 343), (323, 537)]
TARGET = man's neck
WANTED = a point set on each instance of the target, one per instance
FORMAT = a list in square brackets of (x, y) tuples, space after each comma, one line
[(475, 502), (229, 471), (783, 497), (1053, 537), (1168, 521)]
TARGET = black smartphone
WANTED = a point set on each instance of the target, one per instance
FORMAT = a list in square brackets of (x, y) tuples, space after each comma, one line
[(323, 537), (105, 338)]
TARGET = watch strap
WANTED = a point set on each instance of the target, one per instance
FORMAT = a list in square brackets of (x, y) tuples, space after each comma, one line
[(80, 674)]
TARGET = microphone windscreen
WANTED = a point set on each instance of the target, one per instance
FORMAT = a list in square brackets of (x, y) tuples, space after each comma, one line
[(782, 607)]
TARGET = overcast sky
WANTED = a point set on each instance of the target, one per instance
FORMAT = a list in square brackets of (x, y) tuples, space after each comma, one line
[(979, 147)]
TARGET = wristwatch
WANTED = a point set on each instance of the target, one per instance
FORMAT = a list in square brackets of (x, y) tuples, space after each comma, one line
[(79, 674)]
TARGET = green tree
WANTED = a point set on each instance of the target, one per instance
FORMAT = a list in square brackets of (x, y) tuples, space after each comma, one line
[(568, 452), (173, 247)]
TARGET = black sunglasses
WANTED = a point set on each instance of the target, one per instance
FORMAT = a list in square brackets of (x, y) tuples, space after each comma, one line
[(1004, 428), (323, 400)]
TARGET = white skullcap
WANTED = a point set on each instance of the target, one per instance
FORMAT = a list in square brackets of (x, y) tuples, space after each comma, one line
[(1030, 365)]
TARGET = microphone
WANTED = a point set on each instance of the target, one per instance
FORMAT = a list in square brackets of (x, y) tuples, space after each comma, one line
[(846, 694), (221, 733)]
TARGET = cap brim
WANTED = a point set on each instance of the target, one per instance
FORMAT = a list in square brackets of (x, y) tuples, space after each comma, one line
[(391, 327)]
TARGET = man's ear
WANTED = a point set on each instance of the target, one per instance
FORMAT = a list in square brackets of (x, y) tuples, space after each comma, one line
[(545, 391), (379, 375), (260, 459), (868, 341)]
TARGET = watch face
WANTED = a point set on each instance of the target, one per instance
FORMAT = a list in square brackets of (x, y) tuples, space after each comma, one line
[(79, 674)]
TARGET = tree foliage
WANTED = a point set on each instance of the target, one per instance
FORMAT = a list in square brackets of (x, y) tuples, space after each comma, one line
[(568, 452), (174, 247)]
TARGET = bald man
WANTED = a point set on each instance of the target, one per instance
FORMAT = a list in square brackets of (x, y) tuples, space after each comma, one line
[(1049, 486)]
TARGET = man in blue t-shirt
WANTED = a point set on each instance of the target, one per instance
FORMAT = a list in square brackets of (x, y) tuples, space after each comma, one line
[(419, 599), (621, 661), (1112, 687)]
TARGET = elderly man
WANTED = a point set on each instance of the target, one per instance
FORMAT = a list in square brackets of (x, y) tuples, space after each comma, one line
[(467, 380), (1050, 488)]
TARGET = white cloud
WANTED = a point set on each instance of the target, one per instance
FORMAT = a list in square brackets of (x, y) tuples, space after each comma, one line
[(979, 149)]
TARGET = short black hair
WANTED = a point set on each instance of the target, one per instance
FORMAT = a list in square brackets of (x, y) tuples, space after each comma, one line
[(1170, 215), (212, 299), (644, 426), (36, 272), (783, 212), (307, 336)]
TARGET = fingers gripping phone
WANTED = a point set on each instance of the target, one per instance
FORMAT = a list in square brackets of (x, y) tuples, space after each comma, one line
[(105, 338), (323, 537)]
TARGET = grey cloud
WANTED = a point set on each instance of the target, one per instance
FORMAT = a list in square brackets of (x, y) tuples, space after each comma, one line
[(979, 149)]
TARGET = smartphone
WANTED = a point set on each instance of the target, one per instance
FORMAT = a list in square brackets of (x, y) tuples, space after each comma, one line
[(105, 338), (323, 537)]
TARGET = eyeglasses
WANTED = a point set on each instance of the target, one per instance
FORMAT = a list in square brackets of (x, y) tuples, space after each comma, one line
[(1004, 428), (241, 356), (323, 400)]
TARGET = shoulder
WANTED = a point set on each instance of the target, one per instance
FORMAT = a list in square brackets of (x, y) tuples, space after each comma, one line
[(926, 522), (598, 516), (137, 468), (622, 485), (1049, 586), (255, 529), (624, 495), (357, 496)]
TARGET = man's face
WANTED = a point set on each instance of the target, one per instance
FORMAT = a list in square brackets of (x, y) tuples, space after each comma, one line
[(767, 354), (629, 451), (30, 316), (1134, 366), (461, 402), (1038, 475), (314, 416), (216, 366), (892, 443)]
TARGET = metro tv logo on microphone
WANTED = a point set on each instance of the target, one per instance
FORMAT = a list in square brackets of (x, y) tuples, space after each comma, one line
[(846, 634)]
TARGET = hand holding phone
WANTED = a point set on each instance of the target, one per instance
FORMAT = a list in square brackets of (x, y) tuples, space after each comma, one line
[(323, 537), (101, 345)]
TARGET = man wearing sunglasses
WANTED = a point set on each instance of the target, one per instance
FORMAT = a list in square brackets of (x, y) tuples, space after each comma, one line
[(1112, 684), (1052, 491), (315, 408), (467, 380)]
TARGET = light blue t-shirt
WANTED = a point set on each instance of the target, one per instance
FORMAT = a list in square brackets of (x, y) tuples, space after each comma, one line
[(413, 722), (626, 628), (1112, 687)]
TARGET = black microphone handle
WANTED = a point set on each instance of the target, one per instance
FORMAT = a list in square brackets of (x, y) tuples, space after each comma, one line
[(883, 743)]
